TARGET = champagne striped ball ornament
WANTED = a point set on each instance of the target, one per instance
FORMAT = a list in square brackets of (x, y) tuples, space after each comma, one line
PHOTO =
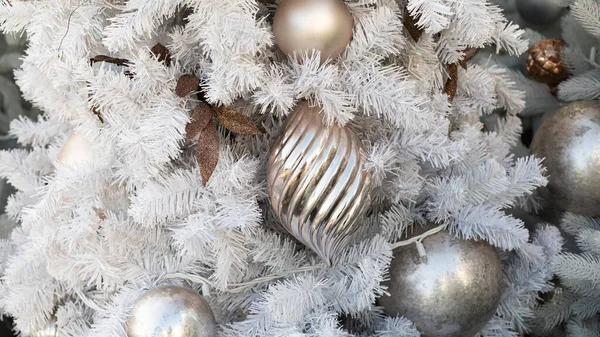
[(317, 183)]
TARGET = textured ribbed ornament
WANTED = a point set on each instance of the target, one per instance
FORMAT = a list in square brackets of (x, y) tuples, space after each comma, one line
[(50, 330), (544, 63), (317, 183)]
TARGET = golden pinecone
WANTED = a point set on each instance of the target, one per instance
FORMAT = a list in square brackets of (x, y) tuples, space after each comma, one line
[(544, 63)]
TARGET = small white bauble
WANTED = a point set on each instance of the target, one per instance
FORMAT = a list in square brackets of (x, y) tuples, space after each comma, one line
[(76, 150), (171, 311)]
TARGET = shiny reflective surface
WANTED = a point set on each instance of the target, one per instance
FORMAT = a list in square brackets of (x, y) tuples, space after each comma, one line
[(50, 330), (306, 25), (544, 63), (76, 150), (171, 311), (452, 292), (539, 12), (569, 140), (316, 181)]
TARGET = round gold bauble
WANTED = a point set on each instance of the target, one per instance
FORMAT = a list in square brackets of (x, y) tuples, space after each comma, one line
[(544, 63), (76, 150), (451, 292), (50, 330), (307, 25), (317, 183), (171, 311), (569, 140)]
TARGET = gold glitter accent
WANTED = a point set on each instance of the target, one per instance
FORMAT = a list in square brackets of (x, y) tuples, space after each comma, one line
[(236, 122), (208, 150)]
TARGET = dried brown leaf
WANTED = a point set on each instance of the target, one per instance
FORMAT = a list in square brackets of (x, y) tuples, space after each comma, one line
[(162, 52), (451, 84), (201, 116), (109, 59), (186, 84), (208, 151), (411, 25), (236, 122)]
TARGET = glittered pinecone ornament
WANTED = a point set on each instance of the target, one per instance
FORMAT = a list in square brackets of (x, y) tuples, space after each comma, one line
[(317, 182), (569, 140), (544, 63), (171, 311), (307, 25), (50, 330), (453, 291)]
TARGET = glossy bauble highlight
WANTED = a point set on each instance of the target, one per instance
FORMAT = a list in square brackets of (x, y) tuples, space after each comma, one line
[(569, 140), (76, 150), (451, 292), (305, 25), (171, 311)]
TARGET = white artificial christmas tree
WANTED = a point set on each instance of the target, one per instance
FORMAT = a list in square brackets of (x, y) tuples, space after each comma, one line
[(95, 235)]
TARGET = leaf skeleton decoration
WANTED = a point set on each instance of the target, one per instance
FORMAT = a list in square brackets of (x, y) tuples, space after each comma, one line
[(203, 126)]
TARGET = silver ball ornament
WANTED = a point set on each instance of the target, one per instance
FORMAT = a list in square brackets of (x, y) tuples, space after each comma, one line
[(171, 311), (569, 140), (307, 25), (76, 150), (317, 182), (539, 12), (50, 330), (451, 292)]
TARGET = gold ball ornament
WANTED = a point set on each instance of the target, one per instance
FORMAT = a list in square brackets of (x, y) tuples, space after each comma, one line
[(171, 311), (317, 183), (76, 150), (50, 330), (307, 25), (569, 140), (544, 63), (453, 291)]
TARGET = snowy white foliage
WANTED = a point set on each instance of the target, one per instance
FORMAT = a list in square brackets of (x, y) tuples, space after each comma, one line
[(93, 237)]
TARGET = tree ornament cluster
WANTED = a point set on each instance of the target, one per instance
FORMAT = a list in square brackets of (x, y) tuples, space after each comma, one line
[(301, 26), (317, 183), (544, 63), (569, 140), (171, 311), (452, 291)]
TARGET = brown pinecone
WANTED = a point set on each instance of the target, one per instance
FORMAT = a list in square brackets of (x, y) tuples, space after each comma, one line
[(544, 63)]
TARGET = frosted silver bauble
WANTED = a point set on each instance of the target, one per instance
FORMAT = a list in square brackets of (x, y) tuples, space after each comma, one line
[(569, 140), (317, 182), (171, 311), (76, 150), (307, 25), (50, 330), (539, 12), (451, 292)]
